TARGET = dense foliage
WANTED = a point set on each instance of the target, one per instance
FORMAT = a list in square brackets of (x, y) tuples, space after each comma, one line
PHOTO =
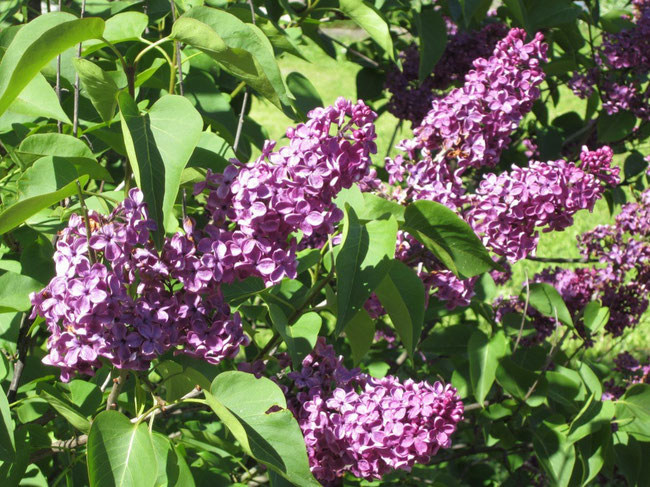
[(184, 301)]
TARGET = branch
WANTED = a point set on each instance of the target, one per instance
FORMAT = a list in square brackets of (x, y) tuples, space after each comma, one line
[(560, 260), (118, 382), (23, 347), (75, 115)]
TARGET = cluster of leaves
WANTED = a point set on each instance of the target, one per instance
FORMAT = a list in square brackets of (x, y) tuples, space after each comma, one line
[(98, 96)]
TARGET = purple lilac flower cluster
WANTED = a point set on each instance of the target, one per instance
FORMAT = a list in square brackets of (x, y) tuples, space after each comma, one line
[(472, 124), (410, 99), (287, 191), (113, 298), (622, 64), (631, 372), (368, 427), (508, 210)]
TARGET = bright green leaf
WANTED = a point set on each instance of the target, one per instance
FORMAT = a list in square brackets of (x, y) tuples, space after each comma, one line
[(99, 86), (36, 44), (449, 238), (299, 337), (360, 333), (254, 410), (15, 290), (484, 354), (160, 143), (369, 19), (120, 453), (545, 299)]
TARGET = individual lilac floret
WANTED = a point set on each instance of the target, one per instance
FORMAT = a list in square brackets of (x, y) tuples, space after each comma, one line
[(287, 191), (368, 427), (472, 124), (121, 307)]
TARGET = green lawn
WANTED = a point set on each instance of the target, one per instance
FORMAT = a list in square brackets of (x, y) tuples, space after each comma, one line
[(334, 78)]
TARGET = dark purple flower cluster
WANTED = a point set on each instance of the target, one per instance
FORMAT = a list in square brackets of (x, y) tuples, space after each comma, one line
[(622, 64), (287, 191), (410, 99), (368, 427), (113, 297), (508, 210), (630, 371)]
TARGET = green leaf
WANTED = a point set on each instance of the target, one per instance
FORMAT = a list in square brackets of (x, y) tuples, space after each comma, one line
[(159, 144), (448, 340), (360, 333), (517, 381), (370, 20), (551, 13), (99, 86), (307, 97), (120, 453), (595, 316), (555, 453), (616, 20), (518, 10), (254, 410), (634, 407), (15, 290), (47, 182), (450, 239), (125, 26), (242, 49), (212, 152), (74, 150), (403, 297), (594, 415), (433, 40), (65, 407), (7, 443), (484, 354), (172, 467), (545, 299), (364, 259), (36, 100), (612, 128), (299, 337), (238, 291), (36, 44)]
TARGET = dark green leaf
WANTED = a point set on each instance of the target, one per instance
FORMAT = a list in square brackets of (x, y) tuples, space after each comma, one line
[(433, 40), (402, 295), (172, 467), (65, 407), (484, 354), (449, 238), (617, 126), (555, 453), (7, 444), (448, 340), (364, 259), (307, 98), (616, 20)]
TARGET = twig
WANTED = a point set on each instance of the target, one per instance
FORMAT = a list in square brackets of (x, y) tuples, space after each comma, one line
[(523, 317), (118, 382), (57, 87), (177, 46), (23, 347), (75, 115), (164, 408), (476, 405), (240, 122), (560, 260)]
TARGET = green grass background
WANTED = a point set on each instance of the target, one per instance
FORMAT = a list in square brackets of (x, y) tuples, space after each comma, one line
[(333, 78)]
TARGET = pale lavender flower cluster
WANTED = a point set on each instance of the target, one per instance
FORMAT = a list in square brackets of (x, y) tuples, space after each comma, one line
[(287, 191), (368, 427), (410, 99), (113, 298), (508, 210)]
